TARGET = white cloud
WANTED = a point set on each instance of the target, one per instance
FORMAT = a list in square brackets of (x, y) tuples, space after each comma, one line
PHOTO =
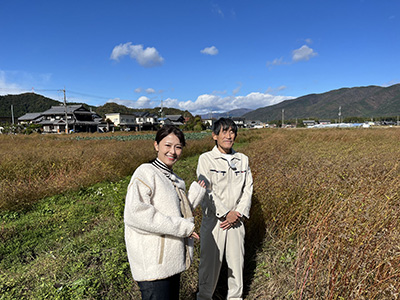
[(392, 82), (142, 102), (150, 91), (171, 103), (303, 53), (210, 50), (237, 90), (216, 9), (12, 82), (277, 62), (210, 102), (148, 57), (206, 103), (275, 90), (147, 91), (8, 87), (309, 41)]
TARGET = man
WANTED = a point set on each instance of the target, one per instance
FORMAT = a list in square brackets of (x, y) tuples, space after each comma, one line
[(228, 199)]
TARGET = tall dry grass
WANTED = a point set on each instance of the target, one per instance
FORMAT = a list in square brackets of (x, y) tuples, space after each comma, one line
[(36, 166), (329, 200)]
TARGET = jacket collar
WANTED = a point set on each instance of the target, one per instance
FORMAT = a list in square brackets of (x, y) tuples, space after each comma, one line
[(164, 169), (218, 154)]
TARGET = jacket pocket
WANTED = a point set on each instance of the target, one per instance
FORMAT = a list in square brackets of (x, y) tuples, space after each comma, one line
[(162, 246)]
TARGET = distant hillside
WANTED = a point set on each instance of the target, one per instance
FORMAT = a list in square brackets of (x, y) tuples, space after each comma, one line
[(232, 113), (32, 103), (370, 101), (25, 103)]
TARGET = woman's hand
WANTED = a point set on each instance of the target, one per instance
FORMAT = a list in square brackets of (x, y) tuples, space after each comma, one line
[(202, 183), (194, 235)]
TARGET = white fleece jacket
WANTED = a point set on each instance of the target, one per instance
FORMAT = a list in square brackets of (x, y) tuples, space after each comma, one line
[(154, 227)]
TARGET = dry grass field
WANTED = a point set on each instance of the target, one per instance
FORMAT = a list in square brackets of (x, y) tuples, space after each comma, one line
[(35, 166), (324, 222), (330, 205)]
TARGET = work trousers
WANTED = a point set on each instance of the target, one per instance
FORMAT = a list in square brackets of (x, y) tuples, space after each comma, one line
[(162, 289), (214, 243)]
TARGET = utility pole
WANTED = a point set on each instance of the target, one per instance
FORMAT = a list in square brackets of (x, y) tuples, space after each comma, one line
[(340, 113), (283, 117), (12, 114), (66, 114)]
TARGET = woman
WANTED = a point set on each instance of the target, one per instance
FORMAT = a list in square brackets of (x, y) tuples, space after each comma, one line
[(159, 227)]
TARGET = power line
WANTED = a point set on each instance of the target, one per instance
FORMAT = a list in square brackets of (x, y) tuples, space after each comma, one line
[(89, 95), (69, 92)]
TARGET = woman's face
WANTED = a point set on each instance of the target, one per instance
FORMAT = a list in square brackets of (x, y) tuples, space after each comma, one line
[(169, 149)]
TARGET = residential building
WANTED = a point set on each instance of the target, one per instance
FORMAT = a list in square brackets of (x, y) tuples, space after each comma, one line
[(126, 121), (209, 122), (146, 120), (309, 123), (5, 120), (75, 118), (176, 120), (136, 121), (30, 118), (239, 121)]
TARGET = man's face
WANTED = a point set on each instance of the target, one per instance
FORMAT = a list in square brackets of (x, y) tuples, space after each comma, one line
[(225, 140)]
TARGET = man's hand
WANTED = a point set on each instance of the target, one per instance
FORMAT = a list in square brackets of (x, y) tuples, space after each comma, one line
[(231, 219)]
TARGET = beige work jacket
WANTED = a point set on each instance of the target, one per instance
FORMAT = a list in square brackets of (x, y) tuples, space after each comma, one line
[(229, 185)]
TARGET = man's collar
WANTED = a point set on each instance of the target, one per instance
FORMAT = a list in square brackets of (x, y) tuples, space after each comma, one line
[(218, 154)]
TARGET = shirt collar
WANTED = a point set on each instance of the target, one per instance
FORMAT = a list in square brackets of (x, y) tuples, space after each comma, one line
[(164, 169), (218, 154)]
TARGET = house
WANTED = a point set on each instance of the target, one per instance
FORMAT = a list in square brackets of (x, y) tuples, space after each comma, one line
[(30, 118), (75, 118), (324, 122), (209, 122), (136, 121), (176, 120), (255, 124), (5, 120), (308, 123), (146, 120), (126, 121), (239, 121)]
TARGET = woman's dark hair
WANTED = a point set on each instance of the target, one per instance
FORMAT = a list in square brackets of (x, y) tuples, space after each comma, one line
[(168, 129), (224, 124)]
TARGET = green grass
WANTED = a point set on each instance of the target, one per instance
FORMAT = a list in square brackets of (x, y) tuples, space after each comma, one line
[(67, 247)]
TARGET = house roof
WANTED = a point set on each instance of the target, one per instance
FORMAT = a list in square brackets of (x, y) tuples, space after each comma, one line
[(70, 109), (29, 117), (141, 113), (174, 117)]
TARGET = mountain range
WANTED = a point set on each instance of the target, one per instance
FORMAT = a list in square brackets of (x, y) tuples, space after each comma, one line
[(368, 101), (232, 113)]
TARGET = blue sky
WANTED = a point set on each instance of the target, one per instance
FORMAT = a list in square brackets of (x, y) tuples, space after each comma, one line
[(198, 55)]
